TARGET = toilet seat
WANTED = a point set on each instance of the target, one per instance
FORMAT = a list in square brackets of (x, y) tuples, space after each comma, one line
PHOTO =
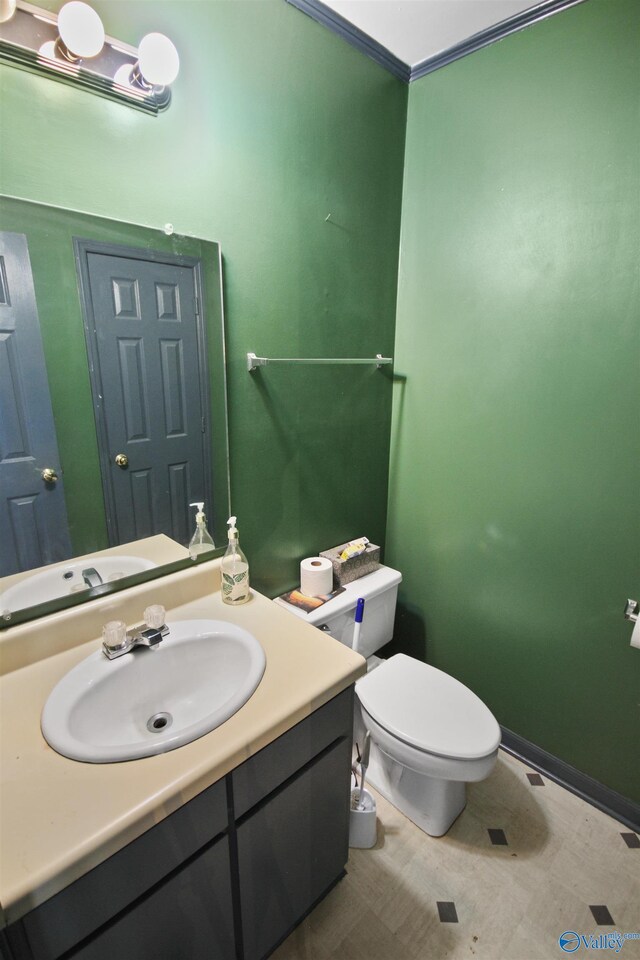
[(431, 765), (428, 710)]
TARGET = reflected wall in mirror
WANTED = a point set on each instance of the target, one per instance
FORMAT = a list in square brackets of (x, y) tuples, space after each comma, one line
[(114, 414)]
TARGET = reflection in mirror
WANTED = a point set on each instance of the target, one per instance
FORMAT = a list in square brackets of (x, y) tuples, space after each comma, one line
[(113, 401)]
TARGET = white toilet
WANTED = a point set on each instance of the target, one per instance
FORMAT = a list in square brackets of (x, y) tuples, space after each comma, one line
[(430, 735)]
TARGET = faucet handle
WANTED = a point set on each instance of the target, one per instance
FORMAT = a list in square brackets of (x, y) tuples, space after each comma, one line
[(114, 637), (154, 616)]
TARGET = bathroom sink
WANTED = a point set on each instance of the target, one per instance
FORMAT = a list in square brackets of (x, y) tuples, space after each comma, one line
[(153, 700), (66, 578)]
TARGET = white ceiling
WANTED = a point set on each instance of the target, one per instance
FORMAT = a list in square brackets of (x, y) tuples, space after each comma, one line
[(414, 30)]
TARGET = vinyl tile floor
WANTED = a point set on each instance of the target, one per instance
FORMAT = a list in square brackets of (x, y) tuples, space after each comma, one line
[(525, 863)]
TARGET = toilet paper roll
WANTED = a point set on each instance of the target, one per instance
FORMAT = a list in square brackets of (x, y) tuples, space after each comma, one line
[(316, 576), (635, 635)]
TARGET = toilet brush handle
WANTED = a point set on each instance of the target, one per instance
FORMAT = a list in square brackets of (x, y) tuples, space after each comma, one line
[(366, 747), (364, 763), (358, 624)]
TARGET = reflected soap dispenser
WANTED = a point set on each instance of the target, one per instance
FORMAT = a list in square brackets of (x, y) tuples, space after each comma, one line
[(234, 569), (201, 541)]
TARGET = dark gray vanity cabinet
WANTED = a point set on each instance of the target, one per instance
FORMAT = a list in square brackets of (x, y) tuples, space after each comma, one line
[(171, 878), (291, 805), (188, 916), (277, 885), (225, 877)]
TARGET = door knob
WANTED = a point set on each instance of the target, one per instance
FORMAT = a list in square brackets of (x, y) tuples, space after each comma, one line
[(49, 475), (122, 460)]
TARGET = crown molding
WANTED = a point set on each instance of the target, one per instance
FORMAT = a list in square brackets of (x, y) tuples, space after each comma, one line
[(376, 51), (486, 37), (361, 41)]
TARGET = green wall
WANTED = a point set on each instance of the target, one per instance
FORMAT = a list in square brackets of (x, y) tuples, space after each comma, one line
[(513, 507), (275, 123)]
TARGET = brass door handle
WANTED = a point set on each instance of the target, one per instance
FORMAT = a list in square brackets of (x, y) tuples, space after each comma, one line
[(49, 475), (122, 460)]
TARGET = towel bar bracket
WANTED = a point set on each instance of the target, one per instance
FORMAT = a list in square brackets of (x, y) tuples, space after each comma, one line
[(632, 610)]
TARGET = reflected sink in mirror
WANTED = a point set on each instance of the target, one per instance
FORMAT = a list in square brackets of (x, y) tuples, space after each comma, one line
[(72, 577), (151, 701)]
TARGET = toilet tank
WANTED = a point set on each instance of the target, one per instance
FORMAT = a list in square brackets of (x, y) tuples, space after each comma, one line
[(380, 592)]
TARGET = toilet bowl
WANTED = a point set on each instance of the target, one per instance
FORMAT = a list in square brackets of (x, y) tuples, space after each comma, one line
[(430, 735)]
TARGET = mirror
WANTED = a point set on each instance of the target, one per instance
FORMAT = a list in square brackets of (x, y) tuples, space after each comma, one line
[(132, 343)]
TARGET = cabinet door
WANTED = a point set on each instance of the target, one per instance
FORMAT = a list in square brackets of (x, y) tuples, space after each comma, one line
[(101, 895), (268, 769), (292, 849), (188, 917)]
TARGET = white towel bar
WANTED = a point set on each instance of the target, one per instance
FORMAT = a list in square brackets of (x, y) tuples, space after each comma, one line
[(253, 362)]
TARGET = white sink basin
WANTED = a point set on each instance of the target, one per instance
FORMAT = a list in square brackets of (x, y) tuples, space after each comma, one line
[(151, 701), (66, 578)]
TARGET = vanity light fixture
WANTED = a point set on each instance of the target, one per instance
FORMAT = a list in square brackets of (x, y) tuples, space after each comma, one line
[(72, 47)]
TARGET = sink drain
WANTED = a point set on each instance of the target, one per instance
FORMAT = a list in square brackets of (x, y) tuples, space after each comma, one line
[(159, 722)]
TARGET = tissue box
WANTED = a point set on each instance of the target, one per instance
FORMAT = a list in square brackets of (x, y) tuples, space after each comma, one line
[(345, 571)]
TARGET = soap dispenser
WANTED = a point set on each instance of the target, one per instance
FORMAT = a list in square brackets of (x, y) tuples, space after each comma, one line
[(234, 569), (201, 541)]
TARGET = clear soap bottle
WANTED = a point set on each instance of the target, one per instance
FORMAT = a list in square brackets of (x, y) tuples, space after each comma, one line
[(234, 569), (201, 541)]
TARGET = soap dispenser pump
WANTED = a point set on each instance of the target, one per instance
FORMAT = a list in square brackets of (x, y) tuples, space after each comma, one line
[(234, 569), (201, 541)]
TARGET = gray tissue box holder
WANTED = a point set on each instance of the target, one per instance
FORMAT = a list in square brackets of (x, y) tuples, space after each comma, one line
[(345, 571)]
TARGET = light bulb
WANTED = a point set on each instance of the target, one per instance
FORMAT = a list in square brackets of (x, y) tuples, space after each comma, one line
[(158, 59), (80, 29), (122, 76), (7, 10)]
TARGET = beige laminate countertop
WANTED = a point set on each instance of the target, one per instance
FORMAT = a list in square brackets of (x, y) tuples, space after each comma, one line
[(60, 818)]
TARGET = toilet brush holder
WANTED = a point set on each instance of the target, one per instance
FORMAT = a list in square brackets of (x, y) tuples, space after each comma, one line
[(362, 823)]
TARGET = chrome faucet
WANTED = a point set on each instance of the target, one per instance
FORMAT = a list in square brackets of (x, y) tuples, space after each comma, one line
[(117, 640), (91, 577)]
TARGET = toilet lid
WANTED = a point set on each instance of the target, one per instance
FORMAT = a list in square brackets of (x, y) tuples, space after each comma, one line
[(428, 709)]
